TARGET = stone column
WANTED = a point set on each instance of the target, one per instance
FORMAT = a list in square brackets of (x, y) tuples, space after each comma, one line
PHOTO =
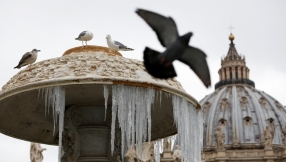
[(243, 73), (247, 73), (239, 72), (219, 72), (233, 73), (227, 73), (223, 74)]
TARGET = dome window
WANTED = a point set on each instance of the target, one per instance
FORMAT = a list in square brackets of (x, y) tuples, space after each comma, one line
[(222, 122), (278, 105), (224, 104), (263, 102), (206, 107), (243, 101), (247, 121)]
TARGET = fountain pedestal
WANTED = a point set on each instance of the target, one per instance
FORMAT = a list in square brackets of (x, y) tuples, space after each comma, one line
[(86, 135)]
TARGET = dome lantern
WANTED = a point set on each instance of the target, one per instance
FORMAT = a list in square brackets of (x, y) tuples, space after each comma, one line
[(233, 68)]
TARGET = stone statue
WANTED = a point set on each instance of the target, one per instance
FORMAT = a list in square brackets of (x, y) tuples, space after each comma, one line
[(167, 144), (220, 139), (36, 152), (177, 155), (268, 137), (284, 136), (130, 155)]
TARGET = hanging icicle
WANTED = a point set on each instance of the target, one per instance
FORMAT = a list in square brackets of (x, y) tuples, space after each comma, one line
[(190, 127), (55, 98), (105, 94)]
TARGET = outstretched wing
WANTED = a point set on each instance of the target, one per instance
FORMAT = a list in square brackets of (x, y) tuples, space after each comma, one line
[(165, 27), (196, 59)]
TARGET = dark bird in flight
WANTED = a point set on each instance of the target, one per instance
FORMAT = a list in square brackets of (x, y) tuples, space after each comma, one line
[(159, 65)]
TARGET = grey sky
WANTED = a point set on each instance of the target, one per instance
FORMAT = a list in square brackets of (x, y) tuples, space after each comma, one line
[(52, 26)]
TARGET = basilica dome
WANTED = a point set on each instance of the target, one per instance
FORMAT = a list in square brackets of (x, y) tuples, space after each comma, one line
[(237, 116)]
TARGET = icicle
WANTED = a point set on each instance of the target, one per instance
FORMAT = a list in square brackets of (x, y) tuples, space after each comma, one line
[(189, 124), (55, 98), (160, 97), (132, 107), (114, 113), (105, 94), (158, 148)]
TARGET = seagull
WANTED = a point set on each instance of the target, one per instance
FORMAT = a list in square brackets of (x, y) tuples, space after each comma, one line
[(116, 46), (159, 65), (28, 58), (84, 36)]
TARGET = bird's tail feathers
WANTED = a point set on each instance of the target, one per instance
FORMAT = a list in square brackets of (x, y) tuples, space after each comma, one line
[(154, 68)]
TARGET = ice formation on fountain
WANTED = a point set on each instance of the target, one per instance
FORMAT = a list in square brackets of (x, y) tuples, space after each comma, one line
[(132, 106), (190, 125), (55, 98)]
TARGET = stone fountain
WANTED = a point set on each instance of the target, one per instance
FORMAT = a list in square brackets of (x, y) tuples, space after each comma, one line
[(94, 104)]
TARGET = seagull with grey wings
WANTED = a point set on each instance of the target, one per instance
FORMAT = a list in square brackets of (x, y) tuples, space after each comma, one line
[(116, 46), (84, 36), (28, 58), (159, 65)]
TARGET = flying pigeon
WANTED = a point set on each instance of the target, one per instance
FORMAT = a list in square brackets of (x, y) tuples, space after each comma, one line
[(84, 36), (116, 46), (28, 58), (159, 65)]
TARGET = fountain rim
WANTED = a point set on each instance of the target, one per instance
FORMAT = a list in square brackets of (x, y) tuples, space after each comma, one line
[(91, 80)]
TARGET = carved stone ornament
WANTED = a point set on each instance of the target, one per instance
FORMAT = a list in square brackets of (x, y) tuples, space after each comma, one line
[(36, 154), (68, 141), (220, 139), (177, 155)]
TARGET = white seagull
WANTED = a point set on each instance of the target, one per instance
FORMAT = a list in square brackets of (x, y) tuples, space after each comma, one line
[(85, 36), (116, 46), (28, 58)]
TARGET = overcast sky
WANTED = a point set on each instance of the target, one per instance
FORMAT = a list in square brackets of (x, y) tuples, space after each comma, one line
[(52, 26)]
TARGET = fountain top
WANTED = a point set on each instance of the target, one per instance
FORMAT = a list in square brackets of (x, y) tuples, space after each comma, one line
[(91, 48), (81, 74)]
